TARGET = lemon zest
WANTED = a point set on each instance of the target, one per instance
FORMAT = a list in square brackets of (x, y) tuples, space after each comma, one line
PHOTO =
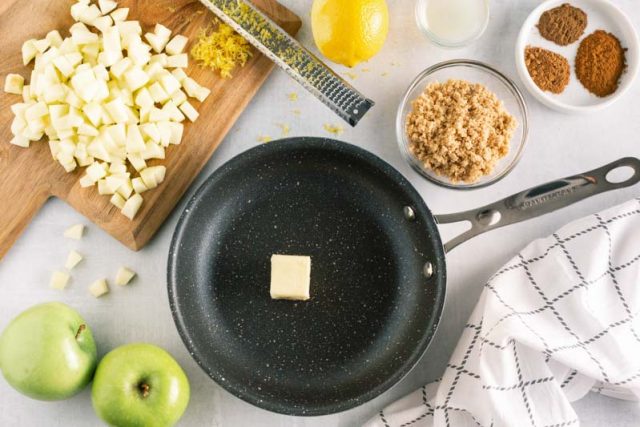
[(222, 49)]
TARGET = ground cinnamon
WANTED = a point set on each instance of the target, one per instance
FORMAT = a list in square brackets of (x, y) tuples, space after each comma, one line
[(562, 25), (550, 71), (600, 62)]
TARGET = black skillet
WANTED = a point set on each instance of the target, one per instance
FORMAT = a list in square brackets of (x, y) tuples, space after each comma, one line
[(378, 272)]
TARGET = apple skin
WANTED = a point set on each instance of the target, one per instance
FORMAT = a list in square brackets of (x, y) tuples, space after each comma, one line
[(140, 385), (48, 352)]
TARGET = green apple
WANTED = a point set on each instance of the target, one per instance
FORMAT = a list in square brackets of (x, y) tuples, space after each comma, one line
[(140, 385), (48, 352)]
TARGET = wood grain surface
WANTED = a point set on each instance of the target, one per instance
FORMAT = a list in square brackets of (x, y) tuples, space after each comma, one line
[(28, 177)]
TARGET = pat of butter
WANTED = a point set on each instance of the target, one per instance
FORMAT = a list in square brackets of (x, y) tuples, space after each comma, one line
[(290, 277)]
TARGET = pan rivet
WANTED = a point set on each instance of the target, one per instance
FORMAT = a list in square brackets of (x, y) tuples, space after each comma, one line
[(409, 213), (427, 270)]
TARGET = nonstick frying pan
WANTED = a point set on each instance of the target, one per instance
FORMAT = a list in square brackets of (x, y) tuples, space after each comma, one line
[(378, 275)]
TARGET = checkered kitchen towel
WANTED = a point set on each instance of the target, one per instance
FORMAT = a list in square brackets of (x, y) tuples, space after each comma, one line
[(560, 319)]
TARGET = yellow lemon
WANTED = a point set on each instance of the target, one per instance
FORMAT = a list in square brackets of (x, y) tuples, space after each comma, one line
[(349, 31)]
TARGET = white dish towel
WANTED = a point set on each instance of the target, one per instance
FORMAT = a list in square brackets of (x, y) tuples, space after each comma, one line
[(560, 319)]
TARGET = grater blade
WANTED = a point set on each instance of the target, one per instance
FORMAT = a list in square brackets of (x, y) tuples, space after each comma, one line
[(290, 55)]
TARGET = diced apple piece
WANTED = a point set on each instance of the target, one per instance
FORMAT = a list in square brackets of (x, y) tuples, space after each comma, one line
[(36, 111), (173, 111), (116, 168), (124, 276), (138, 185), (132, 206), (29, 51), (143, 99), (117, 110), (20, 141), (179, 74), (120, 15), (18, 125), (41, 45), (169, 83), (77, 9), (156, 42), (135, 142), (82, 37), (117, 200), (74, 232), (118, 134), (118, 69), (202, 93), (86, 181), (84, 84), (106, 6), (176, 45), (99, 288), (54, 37), (63, 64), (129, 27), (73, 258), (148, 176), (176, 133), (160, 58), (89, 14), (139, 52), (194, 90), (14, 83), (178, 97), (178, 61), (162, 31), (97, 171), (93, 111), (59, 280), (158, 94), (102, 23), (189, 111), (136, 161), (152, 151), (135, 78), (26, 93)]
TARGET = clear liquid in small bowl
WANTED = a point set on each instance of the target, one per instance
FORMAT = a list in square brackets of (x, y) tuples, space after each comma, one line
[(452, 22)]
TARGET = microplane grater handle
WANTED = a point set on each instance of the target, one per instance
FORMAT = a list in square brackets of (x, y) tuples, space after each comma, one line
[(290, 55)]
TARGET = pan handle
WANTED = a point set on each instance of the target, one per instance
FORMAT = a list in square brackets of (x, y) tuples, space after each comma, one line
[(539, 200)]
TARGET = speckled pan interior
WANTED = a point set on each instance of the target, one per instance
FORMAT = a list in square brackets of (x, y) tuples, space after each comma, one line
[(372, 312)]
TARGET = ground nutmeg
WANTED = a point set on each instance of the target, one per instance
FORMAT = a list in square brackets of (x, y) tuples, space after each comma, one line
[(562, 25)]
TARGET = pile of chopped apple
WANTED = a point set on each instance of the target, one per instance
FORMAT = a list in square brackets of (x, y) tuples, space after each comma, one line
[(108, 99)]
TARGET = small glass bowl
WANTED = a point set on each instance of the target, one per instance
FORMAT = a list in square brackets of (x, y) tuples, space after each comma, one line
[(474, 72), (422, 21)]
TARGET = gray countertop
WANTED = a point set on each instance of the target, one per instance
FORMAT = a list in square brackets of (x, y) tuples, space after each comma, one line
[(559, 145)]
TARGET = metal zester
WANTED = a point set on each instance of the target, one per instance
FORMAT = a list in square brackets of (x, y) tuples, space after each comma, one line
[(291, 56)]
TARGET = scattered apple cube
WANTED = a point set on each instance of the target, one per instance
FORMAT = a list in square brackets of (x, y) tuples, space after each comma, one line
[(117, 200), (189, 111), (14, 83), (106, 6), (74, 232), (176, 45), (72, 260), (124, 276), (131, 207), (178, 61), (120, 14), (99, 288), (59, 280)]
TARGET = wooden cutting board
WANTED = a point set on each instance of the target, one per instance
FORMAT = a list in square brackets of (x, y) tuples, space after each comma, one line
[(28, 177)]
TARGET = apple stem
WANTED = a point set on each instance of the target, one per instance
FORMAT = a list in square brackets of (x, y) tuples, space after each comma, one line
[(144, 389), (80, 329)]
